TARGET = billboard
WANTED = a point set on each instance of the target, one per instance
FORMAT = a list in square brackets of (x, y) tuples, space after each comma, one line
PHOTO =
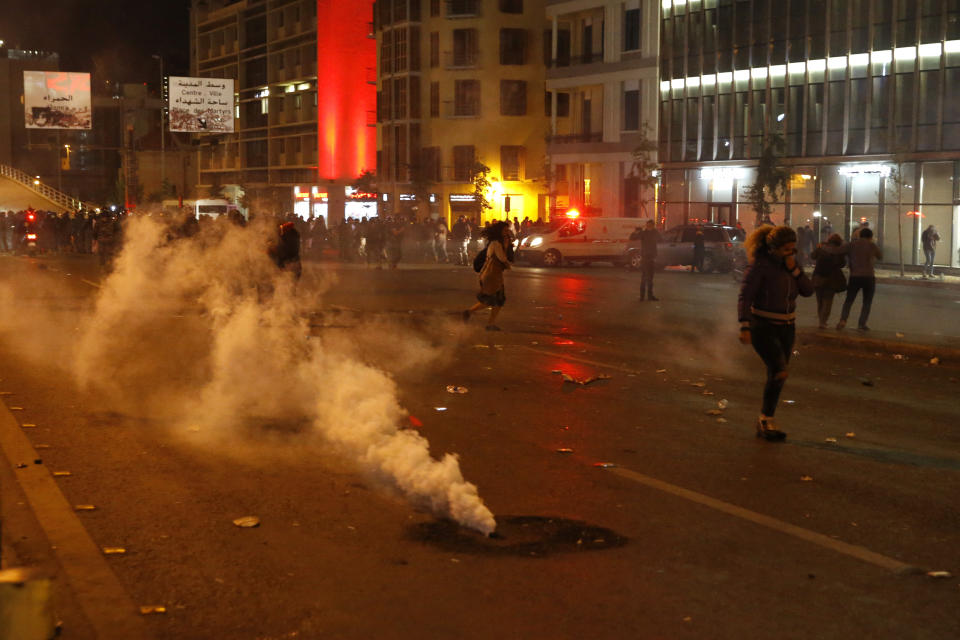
[(201, 105), (57, 100)]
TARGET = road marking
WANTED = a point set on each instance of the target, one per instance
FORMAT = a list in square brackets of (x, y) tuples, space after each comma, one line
[(92, 284), (554, 354), (852, 550), (99, 593)]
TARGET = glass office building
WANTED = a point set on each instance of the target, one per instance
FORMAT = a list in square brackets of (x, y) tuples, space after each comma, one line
[(862, 91)]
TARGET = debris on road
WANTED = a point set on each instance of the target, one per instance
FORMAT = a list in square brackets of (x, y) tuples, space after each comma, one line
[(850, 434), (934, 361), (722, 420), (565, 450), (22, 465), (708, 393), (247, 522), (867, 382), (723, 404), (41, 446), (481, 346), (604, 465), (440, 408), (153, 608), (581, 381), (698, 384), (714, 412), (789, 402), (28, 425), (939, 574), (899, 334), (831, 440), (806, 478), (84, 507), (452, 388), (61, 474), (114, 551), (6, 393), (15, 408), (898, 356), (661, 370), (414, 421)]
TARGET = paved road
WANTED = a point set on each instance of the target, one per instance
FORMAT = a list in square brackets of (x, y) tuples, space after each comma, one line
[(698, 531)]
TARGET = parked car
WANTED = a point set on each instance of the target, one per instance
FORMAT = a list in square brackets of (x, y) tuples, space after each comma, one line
[(580, 240), (675, 247)]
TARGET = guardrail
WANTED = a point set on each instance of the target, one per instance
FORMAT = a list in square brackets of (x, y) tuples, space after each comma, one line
[(44, 191)]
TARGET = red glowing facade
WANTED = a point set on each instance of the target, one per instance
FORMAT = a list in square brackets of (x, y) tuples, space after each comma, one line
[(346, 57)]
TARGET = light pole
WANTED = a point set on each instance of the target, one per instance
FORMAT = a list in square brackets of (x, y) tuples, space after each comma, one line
[(163, 135)]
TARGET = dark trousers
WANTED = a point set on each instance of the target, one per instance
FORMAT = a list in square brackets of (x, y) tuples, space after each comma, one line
[(824, 304), (774, 344), (698, 255), (647, 268), (869, 285)]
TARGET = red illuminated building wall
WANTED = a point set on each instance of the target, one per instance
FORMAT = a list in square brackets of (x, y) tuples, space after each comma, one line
[(345, 54)]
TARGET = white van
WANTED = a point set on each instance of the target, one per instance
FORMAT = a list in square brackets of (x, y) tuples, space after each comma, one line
[(580, 240)]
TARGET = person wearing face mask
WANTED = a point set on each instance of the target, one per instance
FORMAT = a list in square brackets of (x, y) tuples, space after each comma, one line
[(767, 310)]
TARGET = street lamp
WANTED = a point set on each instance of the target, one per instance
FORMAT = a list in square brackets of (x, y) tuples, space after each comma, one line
[(163, 136)]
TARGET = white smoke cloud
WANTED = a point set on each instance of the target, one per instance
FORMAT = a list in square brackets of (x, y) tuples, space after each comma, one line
[(205, 331)]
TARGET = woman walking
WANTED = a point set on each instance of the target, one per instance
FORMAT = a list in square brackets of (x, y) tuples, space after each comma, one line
[(492, 292), (767, 311), (828, 278)]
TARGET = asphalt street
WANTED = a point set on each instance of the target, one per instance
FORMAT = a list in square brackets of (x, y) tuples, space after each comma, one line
[(630, 507)]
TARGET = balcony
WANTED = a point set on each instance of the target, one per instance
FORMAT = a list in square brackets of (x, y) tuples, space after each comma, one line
[(576, 138), (469, 59), (463, 8), (563, 60)]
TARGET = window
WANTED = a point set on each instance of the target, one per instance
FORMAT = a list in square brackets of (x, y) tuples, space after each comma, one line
[(434, 8), (466, 100), (464, 47), (511, 163), (631, 30), (511, 6), (386, 52), (631, 110), (400, 98), (400, 50), (563, 105), (463, 161), (430, 162), (513, 46), (513, 97), (434, 49), (434, 99)]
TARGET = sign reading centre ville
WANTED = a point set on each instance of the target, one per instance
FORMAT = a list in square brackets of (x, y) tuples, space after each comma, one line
[(57, 100), (201, 105)]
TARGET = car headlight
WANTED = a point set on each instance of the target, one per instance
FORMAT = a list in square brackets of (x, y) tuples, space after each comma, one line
[(536, 242)]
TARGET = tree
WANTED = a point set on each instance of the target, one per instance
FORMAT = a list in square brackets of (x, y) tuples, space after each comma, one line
[(646, 169), (420, 184), (772, 179), (481, 186), (366, 182)]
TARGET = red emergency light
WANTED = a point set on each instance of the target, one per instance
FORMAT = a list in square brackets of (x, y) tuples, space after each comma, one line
[(573, 213)]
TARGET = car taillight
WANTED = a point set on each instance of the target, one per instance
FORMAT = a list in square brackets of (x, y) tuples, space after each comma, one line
[(728, 246)]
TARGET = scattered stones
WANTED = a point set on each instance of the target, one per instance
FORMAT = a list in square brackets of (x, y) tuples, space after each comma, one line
[(153, 608), (114, 551), (247, 522)]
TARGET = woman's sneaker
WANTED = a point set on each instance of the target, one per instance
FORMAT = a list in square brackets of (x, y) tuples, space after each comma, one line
[(767, 430)]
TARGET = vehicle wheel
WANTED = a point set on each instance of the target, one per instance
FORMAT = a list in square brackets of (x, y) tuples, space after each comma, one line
[(552, 258), (709, 263), (635, 261)]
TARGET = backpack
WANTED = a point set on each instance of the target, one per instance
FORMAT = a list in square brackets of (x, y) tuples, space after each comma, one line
[(480, 259)]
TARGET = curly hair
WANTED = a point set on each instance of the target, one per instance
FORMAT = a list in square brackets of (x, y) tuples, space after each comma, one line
[(765, 238)]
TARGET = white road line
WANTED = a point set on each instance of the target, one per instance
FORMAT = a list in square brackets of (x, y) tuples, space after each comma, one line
[(103, 599), (852, 550)]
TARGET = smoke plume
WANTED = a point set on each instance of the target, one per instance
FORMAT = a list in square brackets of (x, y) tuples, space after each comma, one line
[(205, 331)]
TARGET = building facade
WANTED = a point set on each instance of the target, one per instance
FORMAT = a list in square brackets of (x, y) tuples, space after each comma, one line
[(865, 95), (602, 104), (461, 82)]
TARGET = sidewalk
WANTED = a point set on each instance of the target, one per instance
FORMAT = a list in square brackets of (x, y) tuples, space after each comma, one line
[(912, 276), (946, 349)]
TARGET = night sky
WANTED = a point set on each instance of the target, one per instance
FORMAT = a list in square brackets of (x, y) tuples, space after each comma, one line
[(113, 39)]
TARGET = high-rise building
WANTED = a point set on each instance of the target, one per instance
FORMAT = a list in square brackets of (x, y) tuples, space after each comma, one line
[(461, 82), (301, 136), (602, 104), (862, 92)]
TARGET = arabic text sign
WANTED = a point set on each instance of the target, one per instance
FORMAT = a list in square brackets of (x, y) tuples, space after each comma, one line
[(56, 100), (201, 105)]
